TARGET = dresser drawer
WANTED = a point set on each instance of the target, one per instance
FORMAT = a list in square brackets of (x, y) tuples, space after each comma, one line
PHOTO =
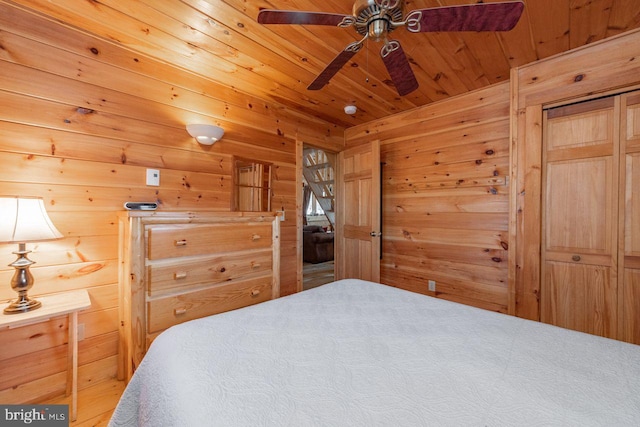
[(172, 241), (165, 312), (165, 277)]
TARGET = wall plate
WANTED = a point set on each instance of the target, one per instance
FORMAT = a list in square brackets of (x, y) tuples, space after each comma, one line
[(153, 177)]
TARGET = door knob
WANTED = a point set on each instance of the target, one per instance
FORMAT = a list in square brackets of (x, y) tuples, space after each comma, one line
[(374, 234)]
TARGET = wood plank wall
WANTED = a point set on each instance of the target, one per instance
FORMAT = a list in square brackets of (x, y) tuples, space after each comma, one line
[(445, 197), (80, 121)]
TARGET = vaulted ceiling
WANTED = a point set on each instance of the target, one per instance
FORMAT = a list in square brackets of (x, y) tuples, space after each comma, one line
[(222, 41)]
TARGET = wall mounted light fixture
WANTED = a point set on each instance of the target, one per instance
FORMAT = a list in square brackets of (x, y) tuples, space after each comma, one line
[(205, 134)]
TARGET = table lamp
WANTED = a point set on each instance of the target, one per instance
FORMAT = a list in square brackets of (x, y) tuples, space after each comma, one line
[(22, 220)]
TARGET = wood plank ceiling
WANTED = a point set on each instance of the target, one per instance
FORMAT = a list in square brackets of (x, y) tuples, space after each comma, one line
[(221, 41)]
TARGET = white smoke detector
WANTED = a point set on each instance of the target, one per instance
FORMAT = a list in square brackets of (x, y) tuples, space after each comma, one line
[(350, 109)]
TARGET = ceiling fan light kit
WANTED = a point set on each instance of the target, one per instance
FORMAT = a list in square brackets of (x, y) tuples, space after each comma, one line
[(375, 19)]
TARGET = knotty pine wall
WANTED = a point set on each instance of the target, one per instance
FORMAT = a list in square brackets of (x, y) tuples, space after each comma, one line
[(445, 197), (81, 120)]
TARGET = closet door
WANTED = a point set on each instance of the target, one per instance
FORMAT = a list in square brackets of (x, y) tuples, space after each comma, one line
[(629, 246), (580, 217)]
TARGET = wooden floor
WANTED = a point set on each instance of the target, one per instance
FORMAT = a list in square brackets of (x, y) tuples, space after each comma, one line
[(317, 274), (95, 403)]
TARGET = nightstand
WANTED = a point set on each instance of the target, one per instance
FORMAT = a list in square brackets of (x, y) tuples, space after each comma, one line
[(69, 303)]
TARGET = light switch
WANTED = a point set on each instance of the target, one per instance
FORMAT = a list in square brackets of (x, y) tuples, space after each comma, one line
[(153, 177)]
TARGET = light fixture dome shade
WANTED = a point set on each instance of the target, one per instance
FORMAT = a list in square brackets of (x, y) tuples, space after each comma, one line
[(205, 134), (350, 109)]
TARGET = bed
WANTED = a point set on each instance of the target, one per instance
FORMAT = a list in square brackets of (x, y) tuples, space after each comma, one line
[(356, 353)]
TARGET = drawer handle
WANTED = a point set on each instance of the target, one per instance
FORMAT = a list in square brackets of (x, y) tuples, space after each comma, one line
[(182, 242), (576, 258), (180, 311), (255, 292), (256, 237), (180, 275)]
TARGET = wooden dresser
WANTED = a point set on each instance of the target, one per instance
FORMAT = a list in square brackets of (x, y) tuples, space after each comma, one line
[(179, 266)]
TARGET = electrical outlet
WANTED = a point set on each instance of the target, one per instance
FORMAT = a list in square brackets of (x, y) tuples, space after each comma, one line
[(432, 285)]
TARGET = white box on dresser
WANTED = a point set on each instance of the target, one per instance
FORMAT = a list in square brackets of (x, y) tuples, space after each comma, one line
[(180, 266)]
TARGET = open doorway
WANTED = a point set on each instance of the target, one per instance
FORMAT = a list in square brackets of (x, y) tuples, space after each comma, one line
[(318, 214)]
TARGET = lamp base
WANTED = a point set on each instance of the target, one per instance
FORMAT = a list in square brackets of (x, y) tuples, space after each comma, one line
[(22, 305), (21, 282)]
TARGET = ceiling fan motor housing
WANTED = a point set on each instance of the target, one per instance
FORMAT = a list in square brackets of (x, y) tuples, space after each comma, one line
[(370, 20)]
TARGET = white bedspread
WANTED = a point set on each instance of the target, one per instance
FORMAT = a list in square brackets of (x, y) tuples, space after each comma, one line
[(355, 353)]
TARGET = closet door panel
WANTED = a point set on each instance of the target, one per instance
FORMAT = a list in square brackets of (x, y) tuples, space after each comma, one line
[(631, 114), (580, 217), (629, 261), (631, 299), (581, 297), (632, 206), (573, 127)]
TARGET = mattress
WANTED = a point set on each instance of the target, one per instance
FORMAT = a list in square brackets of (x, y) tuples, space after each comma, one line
[(356, 353)]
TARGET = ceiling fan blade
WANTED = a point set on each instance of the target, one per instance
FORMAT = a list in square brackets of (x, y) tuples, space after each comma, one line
[(470, 17), (269, 16), (335, 66), (399, 68)]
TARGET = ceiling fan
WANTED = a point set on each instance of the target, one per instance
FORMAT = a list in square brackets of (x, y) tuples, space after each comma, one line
[(375, 19)]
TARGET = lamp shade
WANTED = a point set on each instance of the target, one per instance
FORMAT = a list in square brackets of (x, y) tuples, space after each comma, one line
[(24, 219), (205, 134)]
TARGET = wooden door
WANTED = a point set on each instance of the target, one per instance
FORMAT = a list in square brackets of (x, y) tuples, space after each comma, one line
[(580, 217), (358, 213), (629, 245)]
